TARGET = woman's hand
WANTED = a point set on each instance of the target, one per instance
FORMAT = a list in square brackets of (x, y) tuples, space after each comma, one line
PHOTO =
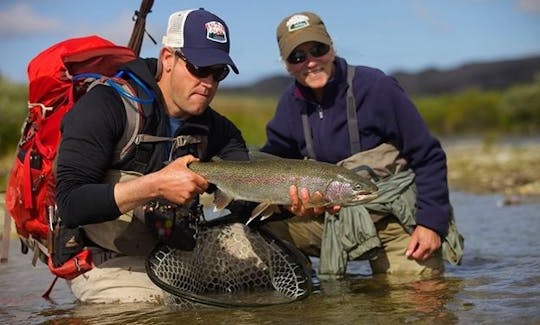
[(423, 243), (302, 203)]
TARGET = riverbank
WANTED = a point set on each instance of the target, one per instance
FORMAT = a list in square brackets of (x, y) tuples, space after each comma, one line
[(508, 167)]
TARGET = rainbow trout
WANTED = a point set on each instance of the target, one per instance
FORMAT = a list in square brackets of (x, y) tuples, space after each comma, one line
[(268, 180)]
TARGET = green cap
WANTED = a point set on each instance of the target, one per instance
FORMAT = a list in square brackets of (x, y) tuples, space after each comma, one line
[(300, 28)]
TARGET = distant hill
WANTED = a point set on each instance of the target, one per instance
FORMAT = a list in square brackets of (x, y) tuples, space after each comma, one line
[(485, 76), (273, 85)]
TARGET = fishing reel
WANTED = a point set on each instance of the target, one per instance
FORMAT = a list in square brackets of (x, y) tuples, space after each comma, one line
[(175, 225)]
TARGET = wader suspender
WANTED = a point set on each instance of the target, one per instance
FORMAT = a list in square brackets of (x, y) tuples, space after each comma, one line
[(352, 122)]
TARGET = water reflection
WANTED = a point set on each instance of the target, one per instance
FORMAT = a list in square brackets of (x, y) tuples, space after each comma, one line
[(498, 282), (408, 299)]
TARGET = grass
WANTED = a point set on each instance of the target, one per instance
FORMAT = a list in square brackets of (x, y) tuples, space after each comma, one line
[(249, 113)]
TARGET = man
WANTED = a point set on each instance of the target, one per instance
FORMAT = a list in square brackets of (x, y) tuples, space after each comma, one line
[(99, 194), (357, 116)]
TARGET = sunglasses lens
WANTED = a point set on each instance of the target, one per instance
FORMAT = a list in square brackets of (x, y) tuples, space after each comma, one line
[(218, 73), (193, 70), (319, 50), (221, 73), (299, 56), (202, 72)]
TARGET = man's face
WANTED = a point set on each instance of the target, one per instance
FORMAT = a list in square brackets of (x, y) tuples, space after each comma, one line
[(185, 93)]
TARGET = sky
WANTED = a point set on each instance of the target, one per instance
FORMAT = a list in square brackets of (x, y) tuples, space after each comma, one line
[(392, 35)]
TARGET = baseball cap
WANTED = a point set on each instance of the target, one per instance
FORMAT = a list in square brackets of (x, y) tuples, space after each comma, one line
[(300, 28), (202, 36)]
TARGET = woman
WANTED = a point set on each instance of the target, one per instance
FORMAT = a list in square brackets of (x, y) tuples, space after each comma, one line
[(357, 116)]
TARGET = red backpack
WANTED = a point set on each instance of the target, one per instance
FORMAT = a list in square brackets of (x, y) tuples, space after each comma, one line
[(54, 86)]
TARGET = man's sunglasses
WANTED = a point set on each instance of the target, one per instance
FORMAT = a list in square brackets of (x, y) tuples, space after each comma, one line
[(218, 73), (299, 56)]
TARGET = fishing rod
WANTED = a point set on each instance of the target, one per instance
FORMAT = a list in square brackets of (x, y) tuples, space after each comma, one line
[(139, 28)]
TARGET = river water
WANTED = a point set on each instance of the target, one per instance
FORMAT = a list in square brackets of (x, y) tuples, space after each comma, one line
[(497, 283)]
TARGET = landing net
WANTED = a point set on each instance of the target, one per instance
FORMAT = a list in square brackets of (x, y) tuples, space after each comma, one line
[(232, 265)]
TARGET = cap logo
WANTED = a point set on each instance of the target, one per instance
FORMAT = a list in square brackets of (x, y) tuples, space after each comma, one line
[(216, 32), (297, 22)]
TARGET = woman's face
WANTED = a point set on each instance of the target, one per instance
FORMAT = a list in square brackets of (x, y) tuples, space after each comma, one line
[(312, 64)]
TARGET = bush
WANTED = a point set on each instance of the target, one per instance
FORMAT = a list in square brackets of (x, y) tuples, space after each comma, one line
[(522, 104), (13, 110), (470, 111), (249, 113)]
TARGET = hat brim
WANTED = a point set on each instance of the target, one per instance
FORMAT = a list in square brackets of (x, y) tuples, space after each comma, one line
[(296, 39), (204, 57)]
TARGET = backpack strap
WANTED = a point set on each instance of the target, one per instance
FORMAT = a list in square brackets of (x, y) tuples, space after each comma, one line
[(352, 122), (133, 127), (134, 114)]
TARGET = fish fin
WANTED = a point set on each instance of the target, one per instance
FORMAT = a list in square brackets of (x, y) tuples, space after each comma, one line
[(221, 200), (269, 211), (206, 199), (261, 209), (215, 158)]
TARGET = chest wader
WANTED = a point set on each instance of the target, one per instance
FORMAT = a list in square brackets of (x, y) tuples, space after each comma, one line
[(351, 234), (137, 232)]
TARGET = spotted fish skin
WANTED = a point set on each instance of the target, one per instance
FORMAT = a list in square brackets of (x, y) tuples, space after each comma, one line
[(267, 181)]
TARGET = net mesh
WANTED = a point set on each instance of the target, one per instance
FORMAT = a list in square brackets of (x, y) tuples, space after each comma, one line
[(231, 265)]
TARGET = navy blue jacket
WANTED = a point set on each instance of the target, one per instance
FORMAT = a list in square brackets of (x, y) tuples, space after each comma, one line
[(385, 115)]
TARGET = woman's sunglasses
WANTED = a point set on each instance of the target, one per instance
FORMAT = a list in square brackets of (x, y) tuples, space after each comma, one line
[(218, 73), (299, 56)]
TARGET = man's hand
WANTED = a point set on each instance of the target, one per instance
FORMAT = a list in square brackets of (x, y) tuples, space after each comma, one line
[(423, 243), (175, 183), (301, 203), (179, 183)]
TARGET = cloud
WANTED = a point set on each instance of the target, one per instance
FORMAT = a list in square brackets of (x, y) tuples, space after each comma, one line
[(119, 31), (433, 21), (21, 20), (529, 6)]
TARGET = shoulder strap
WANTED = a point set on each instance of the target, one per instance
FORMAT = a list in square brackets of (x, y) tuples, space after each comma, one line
[(134, 115), (307, 133), (133, 127), (352, 121)]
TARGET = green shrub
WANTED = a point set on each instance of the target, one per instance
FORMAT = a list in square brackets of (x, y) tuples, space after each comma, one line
[(13, 109), (249, 113), (522, 105), (470, 111)]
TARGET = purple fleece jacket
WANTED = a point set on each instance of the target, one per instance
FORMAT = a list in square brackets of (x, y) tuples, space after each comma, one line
[(385, 115)]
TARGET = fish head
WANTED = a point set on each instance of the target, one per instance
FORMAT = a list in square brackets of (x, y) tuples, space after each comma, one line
[(350, 191)]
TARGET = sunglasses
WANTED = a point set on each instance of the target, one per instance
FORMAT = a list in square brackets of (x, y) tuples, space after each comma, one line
[(299, 56), (218, 73)]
